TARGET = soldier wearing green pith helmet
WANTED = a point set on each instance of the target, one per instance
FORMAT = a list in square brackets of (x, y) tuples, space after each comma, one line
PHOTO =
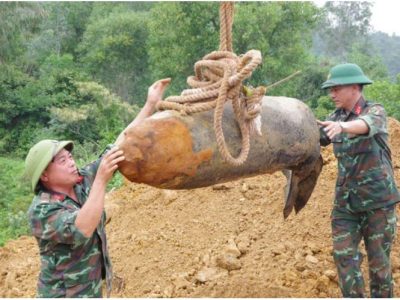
[(67, 213), (365, 192)]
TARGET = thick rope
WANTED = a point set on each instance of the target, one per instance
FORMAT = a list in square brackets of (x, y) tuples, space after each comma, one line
[(225, 26), (218, 79)]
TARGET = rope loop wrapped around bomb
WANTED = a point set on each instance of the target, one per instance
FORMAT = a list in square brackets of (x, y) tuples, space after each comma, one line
[(218, 79)]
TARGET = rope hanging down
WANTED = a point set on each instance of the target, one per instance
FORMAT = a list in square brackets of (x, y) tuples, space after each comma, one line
[(218, 78)]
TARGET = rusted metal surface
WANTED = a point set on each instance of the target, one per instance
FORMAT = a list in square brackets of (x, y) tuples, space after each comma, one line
[(180, 152)]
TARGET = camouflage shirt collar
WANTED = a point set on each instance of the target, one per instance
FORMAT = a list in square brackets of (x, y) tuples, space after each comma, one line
[(359, 106), (54, 195), (357, 109)]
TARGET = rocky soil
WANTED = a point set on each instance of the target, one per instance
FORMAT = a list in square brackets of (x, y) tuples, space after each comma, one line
[(228, 240)]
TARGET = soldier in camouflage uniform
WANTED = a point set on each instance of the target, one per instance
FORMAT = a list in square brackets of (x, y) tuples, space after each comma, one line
[(67, 213), (366, 192)]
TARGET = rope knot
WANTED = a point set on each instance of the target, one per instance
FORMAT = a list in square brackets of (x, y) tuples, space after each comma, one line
[(218, 78)]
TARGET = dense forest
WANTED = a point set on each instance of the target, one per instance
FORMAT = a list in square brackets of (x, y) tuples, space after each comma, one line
[(81, 70)]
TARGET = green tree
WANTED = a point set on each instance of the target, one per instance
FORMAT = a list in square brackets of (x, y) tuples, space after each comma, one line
[(181, 33), (367, 59), (343, 24), (104, 9), (97, 116), (388, 48), (280, 30), (388, 94), (22, 109), (60, 31), (18, 22), (113, 50), (309, 84)]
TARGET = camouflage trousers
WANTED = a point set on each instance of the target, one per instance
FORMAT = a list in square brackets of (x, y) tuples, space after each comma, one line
[(58, 289), (378, 228)]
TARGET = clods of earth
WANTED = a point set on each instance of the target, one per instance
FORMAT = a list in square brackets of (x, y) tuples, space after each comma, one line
[(228, 240)]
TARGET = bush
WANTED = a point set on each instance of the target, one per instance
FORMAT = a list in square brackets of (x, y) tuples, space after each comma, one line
[(15, 200), (387, 94), (97, 121), (113, 50)]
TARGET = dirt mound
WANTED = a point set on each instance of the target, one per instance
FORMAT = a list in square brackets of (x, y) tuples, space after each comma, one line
[(229, 240)]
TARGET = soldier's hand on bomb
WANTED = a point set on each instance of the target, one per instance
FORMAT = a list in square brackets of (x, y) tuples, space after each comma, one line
[(331, 128)]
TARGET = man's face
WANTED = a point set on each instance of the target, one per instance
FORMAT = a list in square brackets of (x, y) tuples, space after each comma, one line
[(61, 171), (342, 95)]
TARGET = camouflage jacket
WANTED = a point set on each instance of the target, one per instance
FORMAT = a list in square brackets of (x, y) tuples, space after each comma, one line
[(365, 173), (71, 264)]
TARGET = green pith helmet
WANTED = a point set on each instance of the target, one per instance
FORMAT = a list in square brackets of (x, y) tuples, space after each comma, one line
[(40, 155), (345, 74)]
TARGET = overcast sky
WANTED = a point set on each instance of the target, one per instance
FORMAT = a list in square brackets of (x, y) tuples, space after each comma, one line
[(385, 15)]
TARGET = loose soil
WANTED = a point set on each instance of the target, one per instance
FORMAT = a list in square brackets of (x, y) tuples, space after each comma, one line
[(228, 240)]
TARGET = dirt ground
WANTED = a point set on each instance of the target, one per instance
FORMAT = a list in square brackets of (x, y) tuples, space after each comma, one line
[(229, 240)]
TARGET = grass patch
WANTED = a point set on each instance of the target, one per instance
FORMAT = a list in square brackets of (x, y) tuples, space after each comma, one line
[(15, 200)]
